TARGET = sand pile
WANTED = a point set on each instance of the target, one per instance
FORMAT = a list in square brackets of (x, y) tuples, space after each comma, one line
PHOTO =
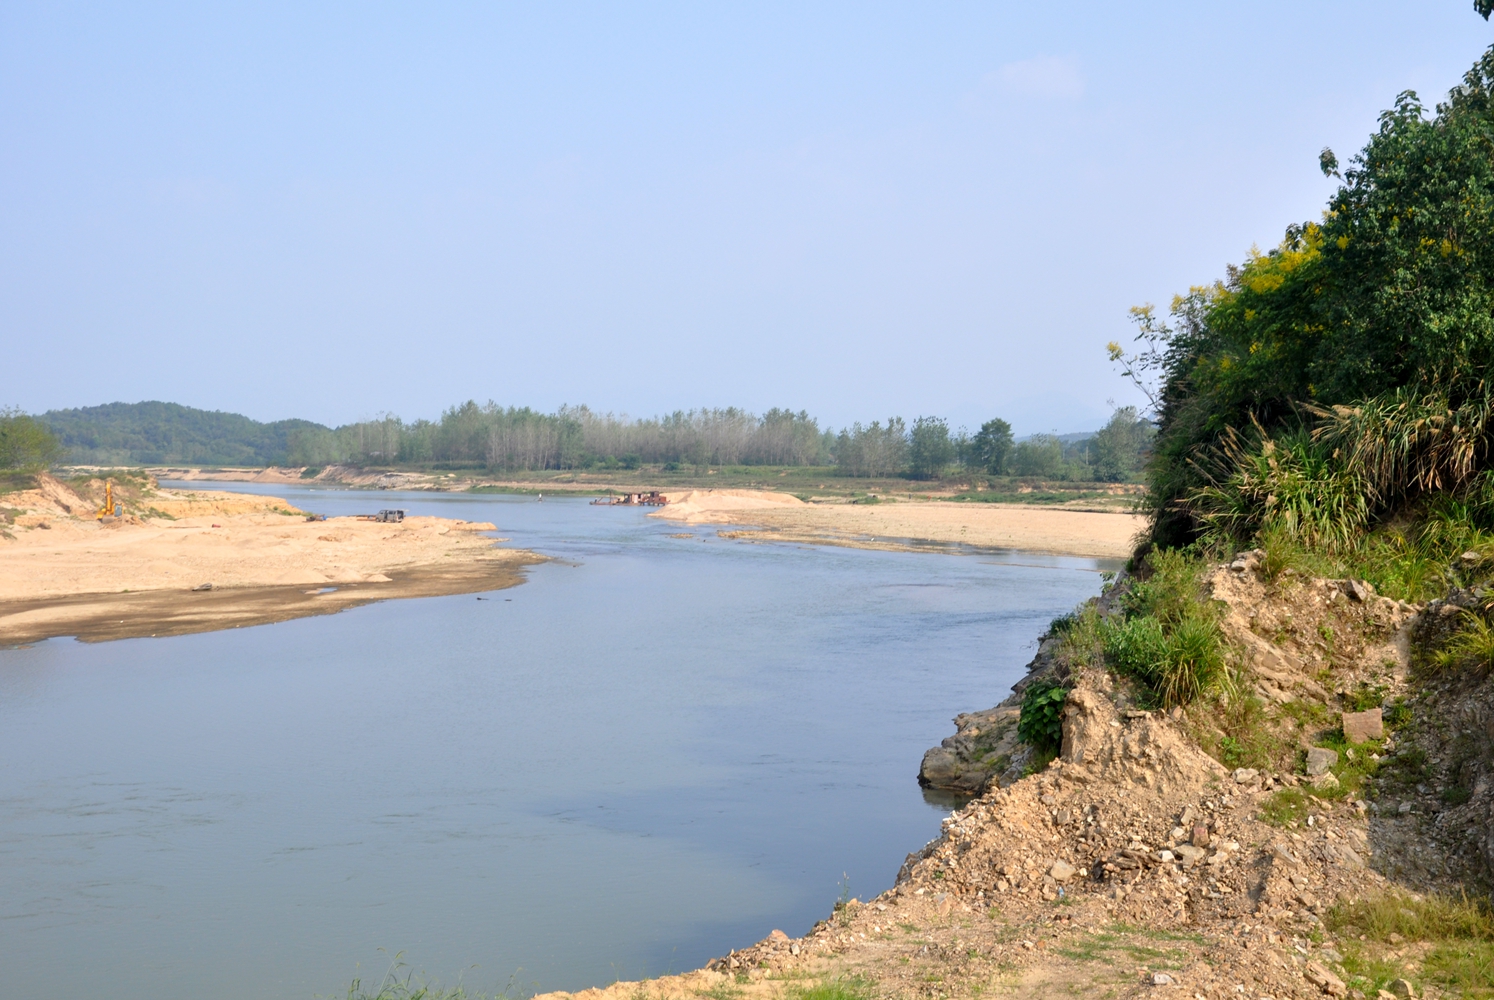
[(50, 498), (722, 506)]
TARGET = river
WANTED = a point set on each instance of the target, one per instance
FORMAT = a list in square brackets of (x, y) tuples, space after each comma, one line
[(654, 750)]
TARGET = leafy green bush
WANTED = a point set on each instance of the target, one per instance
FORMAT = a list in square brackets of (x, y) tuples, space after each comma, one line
[(1168, 637), (1041, 720)]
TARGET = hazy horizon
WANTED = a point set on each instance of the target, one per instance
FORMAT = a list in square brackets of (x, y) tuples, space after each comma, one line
[(855, 210)]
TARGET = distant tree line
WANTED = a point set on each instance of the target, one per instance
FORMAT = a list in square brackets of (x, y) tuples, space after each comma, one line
[(519, 438), (929, 450), (497, 438)]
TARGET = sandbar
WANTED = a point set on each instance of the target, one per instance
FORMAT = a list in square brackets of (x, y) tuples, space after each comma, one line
[(781, 517), (180, 562)]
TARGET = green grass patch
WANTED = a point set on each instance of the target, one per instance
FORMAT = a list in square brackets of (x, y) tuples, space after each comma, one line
[(1471, 648), (1118, 943), (1402, 771), (1038, 497), (725, 991), (1456, 795), (1233, 726), (850, 988), (1039, 763), (1364, 697), (1460, 930), (1285, 806)]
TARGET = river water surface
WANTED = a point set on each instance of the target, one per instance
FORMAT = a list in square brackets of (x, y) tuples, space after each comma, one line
[(653, 751)]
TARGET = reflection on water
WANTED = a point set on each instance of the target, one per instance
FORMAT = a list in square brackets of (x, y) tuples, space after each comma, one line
[(657, 749), (943, 800)]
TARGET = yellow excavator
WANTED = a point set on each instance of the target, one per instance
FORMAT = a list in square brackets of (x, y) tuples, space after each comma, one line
[(110, 508)]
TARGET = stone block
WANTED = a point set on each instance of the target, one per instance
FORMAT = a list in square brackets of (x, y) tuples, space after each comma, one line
[(1361, 726)]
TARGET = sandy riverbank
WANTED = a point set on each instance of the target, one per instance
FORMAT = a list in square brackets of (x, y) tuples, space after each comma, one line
[(780, 517), (63, 572)]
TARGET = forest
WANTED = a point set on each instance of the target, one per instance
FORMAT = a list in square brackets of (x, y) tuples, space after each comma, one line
[(494, 438)]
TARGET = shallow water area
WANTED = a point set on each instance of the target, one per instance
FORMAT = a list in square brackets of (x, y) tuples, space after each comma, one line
[(656, 749)]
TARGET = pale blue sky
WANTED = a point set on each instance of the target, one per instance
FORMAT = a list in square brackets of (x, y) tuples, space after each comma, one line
[(861, 209)]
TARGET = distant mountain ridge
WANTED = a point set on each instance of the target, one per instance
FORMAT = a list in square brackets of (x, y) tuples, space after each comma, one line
[(156, 433)]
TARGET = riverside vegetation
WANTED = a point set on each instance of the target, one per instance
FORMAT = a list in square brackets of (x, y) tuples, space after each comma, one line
[(1260, 763)]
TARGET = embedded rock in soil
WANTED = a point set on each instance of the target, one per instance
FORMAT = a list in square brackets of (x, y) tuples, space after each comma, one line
[(1320, 759), (1361, 726)]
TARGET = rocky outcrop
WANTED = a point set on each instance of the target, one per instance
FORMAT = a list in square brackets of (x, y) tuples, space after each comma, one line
[(985, 751), (984, 745)]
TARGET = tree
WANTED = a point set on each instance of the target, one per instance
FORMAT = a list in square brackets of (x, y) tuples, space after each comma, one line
[(1116, 450), (930, 451), (1393, 292), (991, 448), (26, 444), (874, 450), (1040, 455)]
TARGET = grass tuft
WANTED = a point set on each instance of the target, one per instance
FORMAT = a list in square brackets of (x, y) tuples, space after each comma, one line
[(853, 988), (1416, 918), (1168, 636), (1471, 649)]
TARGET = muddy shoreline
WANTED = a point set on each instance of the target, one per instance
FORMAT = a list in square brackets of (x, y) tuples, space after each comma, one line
[(151, 613)]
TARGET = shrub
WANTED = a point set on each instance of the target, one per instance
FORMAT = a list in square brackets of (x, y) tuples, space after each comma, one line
[(1169, 637), (1041, 721), (1375, 321), (1062, 625), (1177, 664), (1290, 483)]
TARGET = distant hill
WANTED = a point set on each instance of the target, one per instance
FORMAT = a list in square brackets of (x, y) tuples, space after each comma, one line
[(169, 434)]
